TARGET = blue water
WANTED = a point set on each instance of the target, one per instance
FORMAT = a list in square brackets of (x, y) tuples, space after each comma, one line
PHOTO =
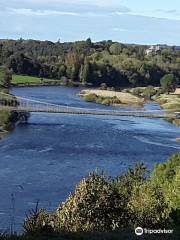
[(44, 160)]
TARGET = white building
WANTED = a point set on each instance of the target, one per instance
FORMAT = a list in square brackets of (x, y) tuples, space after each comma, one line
[(152, 49)]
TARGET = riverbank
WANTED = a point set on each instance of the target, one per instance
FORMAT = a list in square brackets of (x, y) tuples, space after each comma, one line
[(3, 133), (8, 120), (4, 123), (171, 103), (107, 97), (134, 97)]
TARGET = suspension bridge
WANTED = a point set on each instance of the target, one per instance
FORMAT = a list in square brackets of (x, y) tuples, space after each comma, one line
[(21, 104)]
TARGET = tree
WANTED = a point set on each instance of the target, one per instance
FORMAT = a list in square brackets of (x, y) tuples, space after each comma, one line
[(148, 207), (116, 48), (85, 71), (134, 79), (5, 77), (168, 83), (89, 42), (94, 206), (167, 177), (166, 171)]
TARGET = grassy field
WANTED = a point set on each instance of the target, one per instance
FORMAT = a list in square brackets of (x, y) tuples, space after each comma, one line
[(22, 80), (18, 79)]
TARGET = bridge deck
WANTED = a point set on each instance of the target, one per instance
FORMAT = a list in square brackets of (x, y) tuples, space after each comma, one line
[(28, 105), (69, 110)]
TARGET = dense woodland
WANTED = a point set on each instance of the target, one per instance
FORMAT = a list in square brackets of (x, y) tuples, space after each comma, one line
[(112, 63)]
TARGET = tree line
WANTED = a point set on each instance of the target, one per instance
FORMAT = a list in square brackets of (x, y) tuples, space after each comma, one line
[(107, 62)]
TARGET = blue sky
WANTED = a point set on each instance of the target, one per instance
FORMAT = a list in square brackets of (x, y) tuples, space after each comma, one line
[(129, 21)]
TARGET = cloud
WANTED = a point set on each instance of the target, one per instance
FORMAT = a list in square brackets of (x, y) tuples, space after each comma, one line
[(89, 8), (31, 12), (98, 7), (117, 29), (40, 13), (44, 12), (51, 3), (174, 11), (169, 15), (99, 19)]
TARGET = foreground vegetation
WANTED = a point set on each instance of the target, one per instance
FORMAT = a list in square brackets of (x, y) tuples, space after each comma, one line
[(103, 207), (123, 235)]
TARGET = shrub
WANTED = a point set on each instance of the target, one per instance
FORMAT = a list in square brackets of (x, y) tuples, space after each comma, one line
[(167, 176), (104, 204), (37, 222), (166, 171), (103, 86), (90, 97), (95, 206), (168, 83), (149, 92), (99, 204), (106, 101), (133, 177), (148, 207), (137, 91)]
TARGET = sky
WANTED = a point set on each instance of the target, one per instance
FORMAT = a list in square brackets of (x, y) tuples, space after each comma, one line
[(127, 21)]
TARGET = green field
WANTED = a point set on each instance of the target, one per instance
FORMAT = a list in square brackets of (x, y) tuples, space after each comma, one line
[(19, 79), (29, 80)]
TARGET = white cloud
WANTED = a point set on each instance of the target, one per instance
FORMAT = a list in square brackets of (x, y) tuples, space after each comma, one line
[(74, 7), (89, 8), (51, 12), (117, 29), (30, 12), (100, 3), (159, 14)]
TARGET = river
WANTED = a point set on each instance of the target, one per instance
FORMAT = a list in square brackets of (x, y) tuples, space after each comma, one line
[(44, 159)]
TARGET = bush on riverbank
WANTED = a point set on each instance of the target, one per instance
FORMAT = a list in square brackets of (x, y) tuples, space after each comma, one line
[(170, 102), (104, 204), (146, 92), (91, 97), (7, 119)]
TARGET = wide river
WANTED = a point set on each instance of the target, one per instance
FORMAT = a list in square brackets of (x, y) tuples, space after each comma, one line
[(44, 159)]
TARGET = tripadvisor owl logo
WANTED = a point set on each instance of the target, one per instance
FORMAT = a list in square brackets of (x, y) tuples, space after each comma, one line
[(139, 231)]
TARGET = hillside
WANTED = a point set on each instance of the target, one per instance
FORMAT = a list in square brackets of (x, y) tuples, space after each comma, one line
[(115, 64)]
